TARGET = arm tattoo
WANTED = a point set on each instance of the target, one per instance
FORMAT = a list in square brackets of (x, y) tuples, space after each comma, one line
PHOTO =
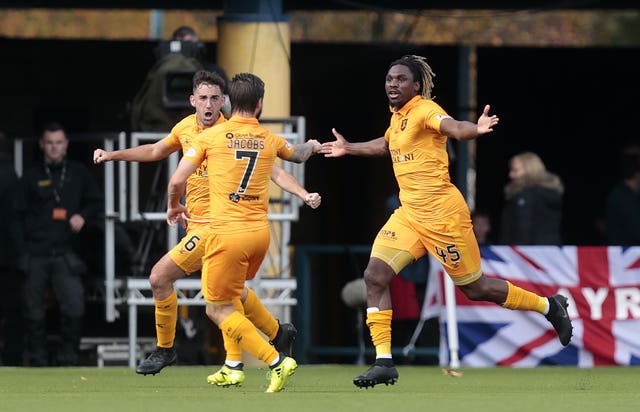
[(301, 152)]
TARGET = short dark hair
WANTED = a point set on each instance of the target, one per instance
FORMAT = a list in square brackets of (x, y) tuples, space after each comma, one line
[(182, 32), (207, 77), (52, 126), (245, 90)]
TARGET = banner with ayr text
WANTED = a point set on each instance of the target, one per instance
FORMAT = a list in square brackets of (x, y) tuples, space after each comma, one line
[(603, 287)]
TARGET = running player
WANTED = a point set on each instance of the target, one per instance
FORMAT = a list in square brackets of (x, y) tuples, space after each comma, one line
[(433, 216)]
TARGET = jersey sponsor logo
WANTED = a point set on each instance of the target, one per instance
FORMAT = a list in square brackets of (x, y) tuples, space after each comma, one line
[(245, 141), (235, 197), (191, 152), (201, 171), (398, 157), (403, 124)]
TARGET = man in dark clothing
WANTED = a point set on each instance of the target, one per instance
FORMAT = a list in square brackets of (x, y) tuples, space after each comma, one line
[(10, 316), (623, 204), (55, 200)]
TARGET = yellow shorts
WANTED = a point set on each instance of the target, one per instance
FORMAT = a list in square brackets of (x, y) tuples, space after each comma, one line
[(189, 252), (451, 240), (229, 260)]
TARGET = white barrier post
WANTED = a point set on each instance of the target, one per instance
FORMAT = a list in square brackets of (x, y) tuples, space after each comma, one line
[(452, 322)]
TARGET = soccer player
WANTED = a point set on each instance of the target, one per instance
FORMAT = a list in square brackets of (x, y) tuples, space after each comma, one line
[(240, 155), (186, 257), (433, 216)]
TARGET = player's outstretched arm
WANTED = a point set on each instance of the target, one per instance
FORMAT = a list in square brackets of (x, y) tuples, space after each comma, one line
[(303, 151), (341, 147), (465, 130), (289, 183), (145, 153)]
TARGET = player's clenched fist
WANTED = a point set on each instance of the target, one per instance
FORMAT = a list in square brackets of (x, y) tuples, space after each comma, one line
[(313, 200), (100, 156)]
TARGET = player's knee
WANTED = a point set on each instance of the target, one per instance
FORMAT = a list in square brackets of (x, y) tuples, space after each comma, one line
[(219, 310), (159, 281), (477, 291), (375, 276)]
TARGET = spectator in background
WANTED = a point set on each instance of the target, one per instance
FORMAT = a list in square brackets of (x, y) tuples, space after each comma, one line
[(623, 202), (481, 227), (162, 101), (10, 314), (533, 203), (55, 200)]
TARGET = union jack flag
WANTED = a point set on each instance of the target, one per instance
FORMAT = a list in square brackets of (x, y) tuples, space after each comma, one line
[(603, 288)]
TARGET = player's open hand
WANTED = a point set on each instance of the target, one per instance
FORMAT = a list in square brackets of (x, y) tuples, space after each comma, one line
[(313, 200), (336, 148), (178, 214), (486, 122)]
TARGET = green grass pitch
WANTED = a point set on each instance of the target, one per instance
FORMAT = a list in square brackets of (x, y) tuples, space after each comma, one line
[(322, 388)]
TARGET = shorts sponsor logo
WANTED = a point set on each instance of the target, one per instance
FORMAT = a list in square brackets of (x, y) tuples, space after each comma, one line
[(387, 235)]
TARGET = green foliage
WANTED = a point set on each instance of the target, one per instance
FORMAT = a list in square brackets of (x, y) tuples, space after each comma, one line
[(320, 388)]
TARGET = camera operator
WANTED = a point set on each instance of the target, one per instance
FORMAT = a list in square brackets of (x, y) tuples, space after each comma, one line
[(160, 102)]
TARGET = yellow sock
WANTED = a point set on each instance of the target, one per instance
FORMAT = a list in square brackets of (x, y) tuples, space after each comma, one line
[(242, 331), (255, 311), (379, 323), (521, 299), (166, 317), (232, 348)]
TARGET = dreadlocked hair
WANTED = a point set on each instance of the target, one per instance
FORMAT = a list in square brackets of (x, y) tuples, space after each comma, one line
[(421, 72)]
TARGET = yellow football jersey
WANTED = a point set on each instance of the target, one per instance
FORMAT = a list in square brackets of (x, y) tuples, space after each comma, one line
[(420, 161), (240, 155), (182, 136)]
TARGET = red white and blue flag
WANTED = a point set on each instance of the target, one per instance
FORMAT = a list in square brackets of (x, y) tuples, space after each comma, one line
[(603, 288)]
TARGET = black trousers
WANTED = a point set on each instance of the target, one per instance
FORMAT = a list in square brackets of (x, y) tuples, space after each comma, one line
[(11, 322), (44, 272)]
